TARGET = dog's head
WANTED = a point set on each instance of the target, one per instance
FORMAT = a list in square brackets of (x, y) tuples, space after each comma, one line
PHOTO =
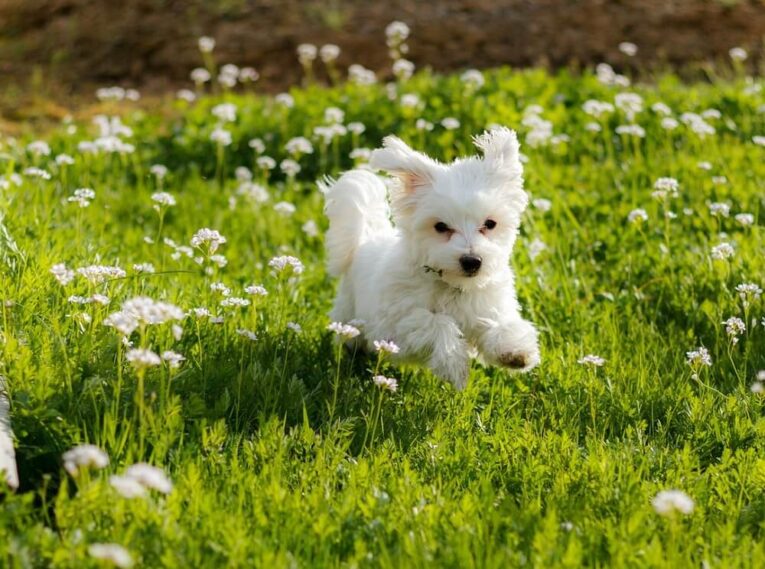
[(460, 219)]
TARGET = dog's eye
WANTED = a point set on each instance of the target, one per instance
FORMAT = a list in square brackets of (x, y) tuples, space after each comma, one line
[(441, 227), (489, 224)]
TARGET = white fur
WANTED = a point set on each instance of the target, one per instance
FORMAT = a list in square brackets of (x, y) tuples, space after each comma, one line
[(405, 281)]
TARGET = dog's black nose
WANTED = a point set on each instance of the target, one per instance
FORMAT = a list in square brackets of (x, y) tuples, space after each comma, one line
[(470, 264)]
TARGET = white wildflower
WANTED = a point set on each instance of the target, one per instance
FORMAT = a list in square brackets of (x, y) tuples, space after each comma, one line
[(386, 383), (256, 290), (150, 477), (396, 30), (592, 360), (699, 357), (200, 76), (220, 288), (63, 275), (473, 78), (631, 130), (200, 312), (38, 148), (422, 124), (289, 167), (637, 216), (257, 145), (719, 209), (310, 228), (285, 208), (159, 171), (266, 163), (360, 75), (221, 136), (234, 302), (628, 48), (84, 456), (123, 322), (219, 260), (82, 197), (329, 53), (186, 95), (734, 327), (248, 75), (333, 115), (284, 261), (629, 103), (669, 502), (163, 199), (403, 69), (597, 108), (97, 274), (542, 204), (410, 101), (111, 552), (206, 44), (344, 331), (738, 54), (536, 247), (299, 145), (209, 239), (748, 292), (450, 123), (306, 53), (356, 127), (253, 192), (386, 346), (127, 487), (142, 358), (286, 100), (666, 187), (225, 112), (173, 359), (722, 251), (249, 334)]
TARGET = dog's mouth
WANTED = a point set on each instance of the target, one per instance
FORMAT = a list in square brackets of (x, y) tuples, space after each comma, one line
[(455, 281)]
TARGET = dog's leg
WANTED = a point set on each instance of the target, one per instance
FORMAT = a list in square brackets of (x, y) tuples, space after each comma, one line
[(421, 332), (342, 310), (511, 343)]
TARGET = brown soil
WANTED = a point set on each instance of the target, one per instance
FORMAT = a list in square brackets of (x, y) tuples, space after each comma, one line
[(151, 44)]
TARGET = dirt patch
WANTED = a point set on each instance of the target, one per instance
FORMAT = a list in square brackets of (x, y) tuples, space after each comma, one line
[(151, 44)]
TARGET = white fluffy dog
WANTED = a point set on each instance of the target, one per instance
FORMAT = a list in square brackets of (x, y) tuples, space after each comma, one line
[(436, 281)]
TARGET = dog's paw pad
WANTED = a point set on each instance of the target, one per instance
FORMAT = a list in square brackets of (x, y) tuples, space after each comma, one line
[(514, 360)]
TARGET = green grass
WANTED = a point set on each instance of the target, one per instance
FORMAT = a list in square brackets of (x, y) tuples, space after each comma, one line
[(557, 467)]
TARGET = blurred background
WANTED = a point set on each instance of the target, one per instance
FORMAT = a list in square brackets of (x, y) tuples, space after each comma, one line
[(66, 48)]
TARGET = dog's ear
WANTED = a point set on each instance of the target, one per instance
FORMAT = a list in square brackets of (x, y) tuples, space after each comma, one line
[(501, 152), (413, 168), (502, 158)]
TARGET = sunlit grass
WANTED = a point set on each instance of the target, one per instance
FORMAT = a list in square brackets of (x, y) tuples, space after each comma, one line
[(281, 449)]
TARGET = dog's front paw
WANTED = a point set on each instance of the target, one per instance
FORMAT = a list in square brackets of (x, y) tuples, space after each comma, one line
[(454, 369), (520, 361), (516, 346)]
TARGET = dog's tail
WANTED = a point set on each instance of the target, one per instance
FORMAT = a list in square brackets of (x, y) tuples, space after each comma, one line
[(357, 208)]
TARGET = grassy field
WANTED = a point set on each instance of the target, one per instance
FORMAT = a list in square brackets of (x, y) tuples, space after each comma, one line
[(633, 251)]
